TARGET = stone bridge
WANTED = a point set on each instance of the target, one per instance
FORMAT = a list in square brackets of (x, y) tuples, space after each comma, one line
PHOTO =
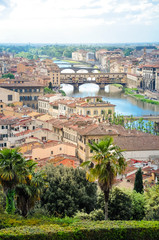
[(101, 79), (76, 69)]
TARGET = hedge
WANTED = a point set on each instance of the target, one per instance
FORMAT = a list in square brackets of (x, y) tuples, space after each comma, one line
[(85, 230)]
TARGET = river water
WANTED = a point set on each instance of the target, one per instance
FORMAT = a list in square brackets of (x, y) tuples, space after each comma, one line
[(125, 105)]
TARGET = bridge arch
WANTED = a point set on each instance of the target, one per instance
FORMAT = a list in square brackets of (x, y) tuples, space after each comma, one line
[(68, 88), (82, 71), (89, 87), (68, 70)]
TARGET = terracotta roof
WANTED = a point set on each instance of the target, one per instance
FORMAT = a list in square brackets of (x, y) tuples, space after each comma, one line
[(27, 132), (138, 143), (25, 84), (66, 160)]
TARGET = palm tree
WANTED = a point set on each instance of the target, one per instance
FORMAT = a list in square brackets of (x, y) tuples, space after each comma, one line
[(107, 162), (29, 193), (13, 170)]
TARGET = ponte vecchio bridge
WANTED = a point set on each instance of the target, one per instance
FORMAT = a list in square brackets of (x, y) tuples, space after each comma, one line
[(101, 79)]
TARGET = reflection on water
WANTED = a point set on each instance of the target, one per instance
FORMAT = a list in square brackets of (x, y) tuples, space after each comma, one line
[(125, 105)]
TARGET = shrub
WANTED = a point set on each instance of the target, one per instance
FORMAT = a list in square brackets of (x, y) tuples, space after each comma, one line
[(152, 203), (97, 215), (68, 191), (86, 230), (82, 215), (2, 200), (119, 205), (137, 206), (123, 204)]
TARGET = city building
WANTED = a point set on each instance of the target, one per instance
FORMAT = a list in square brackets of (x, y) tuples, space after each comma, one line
[(8, 96), (28, 92)]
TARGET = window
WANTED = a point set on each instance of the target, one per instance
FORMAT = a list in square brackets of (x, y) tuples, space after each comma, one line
[(25, 90), (60, 149), (95, 112), (9, 97), (51, 152), (88, 112)]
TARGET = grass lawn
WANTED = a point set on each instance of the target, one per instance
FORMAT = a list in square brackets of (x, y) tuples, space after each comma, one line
[(132, 92)]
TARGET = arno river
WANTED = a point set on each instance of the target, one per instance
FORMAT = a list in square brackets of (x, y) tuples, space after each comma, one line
[(125, 105)]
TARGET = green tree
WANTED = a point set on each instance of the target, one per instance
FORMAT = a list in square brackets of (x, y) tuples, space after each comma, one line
[(2, 200), (107, 162), (138, 185), (28, 193), (14, 169), (119, 205), (48, 90), (138, 206), (128, 51), (8, 75), (152, 203), (123, 204), (62, 92), (68, 191), (50, 85)]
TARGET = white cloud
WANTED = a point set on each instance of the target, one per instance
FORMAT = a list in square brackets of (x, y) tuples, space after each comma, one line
[(1, 9), (30, 18)]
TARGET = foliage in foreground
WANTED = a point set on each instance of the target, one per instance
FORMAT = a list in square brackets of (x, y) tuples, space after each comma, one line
[(123, 204), (152, 203), (18, 179), (107, 162), (86, 230), (68, 191)]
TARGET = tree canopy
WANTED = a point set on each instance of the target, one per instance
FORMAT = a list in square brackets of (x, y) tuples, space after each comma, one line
[(107, 162), (8, 75), (138, 185), (14, 170), (68, 191)]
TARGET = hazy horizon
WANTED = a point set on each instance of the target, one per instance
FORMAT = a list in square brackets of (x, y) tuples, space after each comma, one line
[(79, 22)]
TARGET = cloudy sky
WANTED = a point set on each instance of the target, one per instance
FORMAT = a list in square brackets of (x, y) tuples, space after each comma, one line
[(79, 21)]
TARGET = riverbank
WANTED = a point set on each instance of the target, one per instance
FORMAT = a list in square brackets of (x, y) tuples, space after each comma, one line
[(133, 92), (115, 88), (125, 105)]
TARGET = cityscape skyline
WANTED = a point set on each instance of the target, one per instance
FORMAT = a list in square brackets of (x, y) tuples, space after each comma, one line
[(94, 21)]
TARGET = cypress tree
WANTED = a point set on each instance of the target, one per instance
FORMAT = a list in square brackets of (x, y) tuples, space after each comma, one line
[(50, 85), (138, 185)]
